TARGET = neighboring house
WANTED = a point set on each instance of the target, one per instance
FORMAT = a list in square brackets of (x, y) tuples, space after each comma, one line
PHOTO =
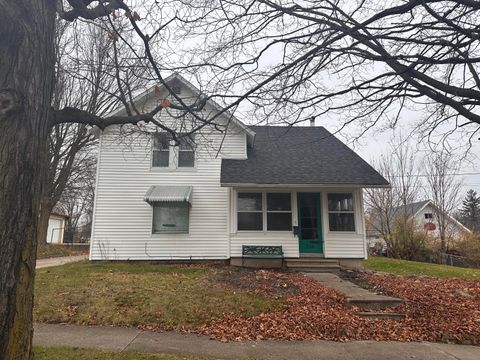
[(424, 214), (56, 228), (295, 187)]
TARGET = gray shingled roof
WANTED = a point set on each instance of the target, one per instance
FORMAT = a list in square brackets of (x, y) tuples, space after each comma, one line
[(410, 209), (299, 155)]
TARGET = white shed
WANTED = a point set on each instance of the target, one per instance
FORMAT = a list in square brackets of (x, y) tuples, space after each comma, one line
[(56, 228)]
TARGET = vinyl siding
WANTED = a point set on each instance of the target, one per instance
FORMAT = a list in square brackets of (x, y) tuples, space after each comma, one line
[(122, 226), (346, 245)]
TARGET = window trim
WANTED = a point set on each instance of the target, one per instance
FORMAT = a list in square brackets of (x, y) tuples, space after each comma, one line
[(264, 211), (353, 211), (171, 232)]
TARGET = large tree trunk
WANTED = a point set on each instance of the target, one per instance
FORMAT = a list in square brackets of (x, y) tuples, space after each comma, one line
[(42, 225), (46, 209), (26, 81)]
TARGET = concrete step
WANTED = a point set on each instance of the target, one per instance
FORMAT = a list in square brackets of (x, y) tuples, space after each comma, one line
[(374, 301), (313, 264), (312, 260), (381, 315), (315, 270)]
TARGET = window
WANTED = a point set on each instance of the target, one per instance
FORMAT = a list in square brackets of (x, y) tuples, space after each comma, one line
[(279, 212), (428, 216), (250, 211), (183, 154), (161, 150), (186, 152), (340, 212), (171, 217), (257, 211)]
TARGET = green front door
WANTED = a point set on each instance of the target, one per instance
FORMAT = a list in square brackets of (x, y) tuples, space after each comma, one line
[(310, 223)]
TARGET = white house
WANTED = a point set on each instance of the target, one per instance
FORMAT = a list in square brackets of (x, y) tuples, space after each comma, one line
[(424, 215), (295, 187)]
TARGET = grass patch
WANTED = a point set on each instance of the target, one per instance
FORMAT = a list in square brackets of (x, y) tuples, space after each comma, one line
[(404, 267), (66, 353), (45, 251), (150, 296)]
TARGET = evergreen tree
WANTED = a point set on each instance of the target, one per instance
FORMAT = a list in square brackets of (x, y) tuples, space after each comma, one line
[(470, 211)]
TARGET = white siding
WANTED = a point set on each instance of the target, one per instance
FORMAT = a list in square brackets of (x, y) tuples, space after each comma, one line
[(346, 245), (122, 227), (453, 229)]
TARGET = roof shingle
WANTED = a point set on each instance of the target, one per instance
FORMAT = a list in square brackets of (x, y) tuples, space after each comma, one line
[(299, 156)]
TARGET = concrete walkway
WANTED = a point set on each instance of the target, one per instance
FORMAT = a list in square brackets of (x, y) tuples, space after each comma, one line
[(56, 261), (128, 339), (355, 294)]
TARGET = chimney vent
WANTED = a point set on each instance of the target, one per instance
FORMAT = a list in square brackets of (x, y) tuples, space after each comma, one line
[(312, 121)]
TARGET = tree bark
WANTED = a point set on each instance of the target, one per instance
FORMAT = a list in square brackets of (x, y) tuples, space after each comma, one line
[(26, 84), (42, 227)]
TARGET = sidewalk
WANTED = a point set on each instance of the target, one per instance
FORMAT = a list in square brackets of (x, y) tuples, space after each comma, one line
[(129, 339), (55, 261)]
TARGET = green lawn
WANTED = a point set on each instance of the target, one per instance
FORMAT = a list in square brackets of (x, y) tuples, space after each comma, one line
[(404, 267), (148, 295), (65, 353)]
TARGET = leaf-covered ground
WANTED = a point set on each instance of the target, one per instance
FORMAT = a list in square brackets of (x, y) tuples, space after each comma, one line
[(436, 310), (237, 304)]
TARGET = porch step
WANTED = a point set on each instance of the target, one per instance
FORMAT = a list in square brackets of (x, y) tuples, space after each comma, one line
[(313, 265)]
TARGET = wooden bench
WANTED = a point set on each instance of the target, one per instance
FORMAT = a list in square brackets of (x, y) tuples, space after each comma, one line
[(262, 251)]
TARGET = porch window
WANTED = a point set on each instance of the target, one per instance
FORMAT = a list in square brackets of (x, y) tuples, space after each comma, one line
[(341, 215), (170, 217), (186, 152), (250, 211), (161, 150), (279, 212)]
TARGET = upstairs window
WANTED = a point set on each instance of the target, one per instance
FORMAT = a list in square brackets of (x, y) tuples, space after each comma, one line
[(341, 216), (279, 212), (186, 151), (166, 154), (161, 150), (250, 211), (428, 216)]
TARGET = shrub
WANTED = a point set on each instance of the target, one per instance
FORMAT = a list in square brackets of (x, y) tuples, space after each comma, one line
[(469, 247), (406, 242)]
